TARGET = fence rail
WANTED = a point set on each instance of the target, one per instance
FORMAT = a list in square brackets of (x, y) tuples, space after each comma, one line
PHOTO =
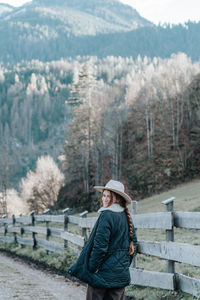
[(12, 230)]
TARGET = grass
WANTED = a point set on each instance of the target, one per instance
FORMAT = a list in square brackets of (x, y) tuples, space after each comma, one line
[(187, 199), (146, 293)]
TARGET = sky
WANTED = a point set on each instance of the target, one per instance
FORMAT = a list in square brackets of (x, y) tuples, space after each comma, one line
[(157, 11), (167, 11)]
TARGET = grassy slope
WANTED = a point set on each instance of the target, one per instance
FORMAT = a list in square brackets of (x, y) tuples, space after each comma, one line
[(187, 199)]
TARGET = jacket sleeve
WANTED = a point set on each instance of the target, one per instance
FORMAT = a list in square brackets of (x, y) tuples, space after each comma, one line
[(135, 243), (101, 241)]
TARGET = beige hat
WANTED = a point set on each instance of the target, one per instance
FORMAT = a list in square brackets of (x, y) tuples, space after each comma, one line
[(114, 186)]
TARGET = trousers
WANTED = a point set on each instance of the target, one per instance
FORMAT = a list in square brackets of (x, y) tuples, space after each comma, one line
[(104, 294)]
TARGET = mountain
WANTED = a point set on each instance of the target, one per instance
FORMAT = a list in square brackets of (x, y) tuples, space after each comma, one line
[(49, 30), (5, 9), (86, 17), (54, 29)]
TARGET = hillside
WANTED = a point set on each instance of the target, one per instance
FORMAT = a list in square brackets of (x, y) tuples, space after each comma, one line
[(187, 198), (75, 18), (51, 30)]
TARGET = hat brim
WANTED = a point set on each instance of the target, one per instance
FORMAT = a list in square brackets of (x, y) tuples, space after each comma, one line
[(124, 195)]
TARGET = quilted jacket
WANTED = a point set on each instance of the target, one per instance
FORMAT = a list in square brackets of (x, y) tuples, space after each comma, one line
[(105, 260)]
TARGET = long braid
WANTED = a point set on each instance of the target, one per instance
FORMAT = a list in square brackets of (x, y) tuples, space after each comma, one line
[(122, 202)]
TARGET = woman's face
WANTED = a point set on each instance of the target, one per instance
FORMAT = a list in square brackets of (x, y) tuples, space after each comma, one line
[(106, 198)]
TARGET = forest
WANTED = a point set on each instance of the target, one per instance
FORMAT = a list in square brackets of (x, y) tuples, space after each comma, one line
[(27, 39), (136, 120)]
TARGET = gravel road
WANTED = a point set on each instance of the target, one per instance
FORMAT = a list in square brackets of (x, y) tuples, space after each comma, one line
[(20, 281)]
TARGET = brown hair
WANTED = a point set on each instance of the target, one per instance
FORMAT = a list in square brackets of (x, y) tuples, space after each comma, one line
[(122, 202)]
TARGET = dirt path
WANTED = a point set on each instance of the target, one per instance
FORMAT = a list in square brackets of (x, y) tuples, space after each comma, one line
[(23, 282)]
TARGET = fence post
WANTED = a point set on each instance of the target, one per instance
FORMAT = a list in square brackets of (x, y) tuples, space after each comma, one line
[(66, 221), (133, 212), (5, 226), (48, 233), (170, 233), (84, 230), (14, 233), (33, 224), (21, 230)]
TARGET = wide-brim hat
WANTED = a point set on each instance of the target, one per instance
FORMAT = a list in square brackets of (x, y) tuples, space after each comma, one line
[(114, 186)]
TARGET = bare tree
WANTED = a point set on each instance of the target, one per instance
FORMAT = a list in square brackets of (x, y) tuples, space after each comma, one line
[(40, 188)]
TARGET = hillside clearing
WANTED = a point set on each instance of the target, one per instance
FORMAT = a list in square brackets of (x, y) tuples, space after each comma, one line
[(187, 199)]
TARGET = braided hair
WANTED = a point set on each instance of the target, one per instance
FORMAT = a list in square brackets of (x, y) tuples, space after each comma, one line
[(122, 202)]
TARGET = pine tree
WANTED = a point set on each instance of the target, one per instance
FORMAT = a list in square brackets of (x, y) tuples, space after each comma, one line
[(78, 146)]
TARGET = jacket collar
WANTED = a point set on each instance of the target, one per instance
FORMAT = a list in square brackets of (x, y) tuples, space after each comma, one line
[(113, 207)]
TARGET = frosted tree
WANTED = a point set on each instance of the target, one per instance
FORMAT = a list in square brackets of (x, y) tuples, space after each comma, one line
[(40, 187), (15, 205)]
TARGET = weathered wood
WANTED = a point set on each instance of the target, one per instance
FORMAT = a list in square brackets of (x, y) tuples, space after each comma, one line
[(75, 239), (83, 222), (14, 230), (55, 231), (2, 230), (83, 216), (184, 253), (32, 214), (50, 218), (60, 233), (6, 220), (27, 220), (152, 279), (160, 220), (168, 201), (48, 233), (35, 229), (134, 207), (66, 222), (7, 239), (50, 246), (188, 284), (13, 225), (187, 220), (87, 222), (170, 232), (74, 220), (25, 241)]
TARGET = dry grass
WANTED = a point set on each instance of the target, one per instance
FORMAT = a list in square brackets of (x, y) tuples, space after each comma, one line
[(187, 199)]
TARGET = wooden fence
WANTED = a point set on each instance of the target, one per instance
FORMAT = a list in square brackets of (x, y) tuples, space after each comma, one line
[(14, 230)]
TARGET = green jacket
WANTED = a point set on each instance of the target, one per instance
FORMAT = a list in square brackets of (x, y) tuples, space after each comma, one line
[(105, 260)]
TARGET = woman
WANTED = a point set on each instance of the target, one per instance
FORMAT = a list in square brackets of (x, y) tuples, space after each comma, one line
[(104, 261)]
